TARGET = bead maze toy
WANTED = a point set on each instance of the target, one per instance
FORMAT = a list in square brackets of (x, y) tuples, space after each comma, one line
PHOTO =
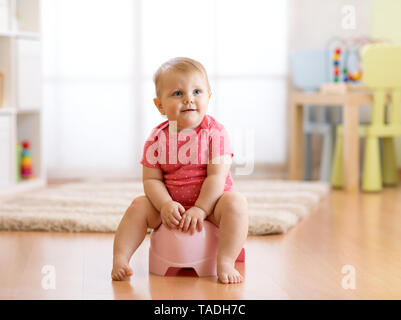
[(347, 75), (344, 67), (336, 64)]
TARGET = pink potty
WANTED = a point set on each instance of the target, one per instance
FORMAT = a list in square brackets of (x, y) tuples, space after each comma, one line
[(174, 249)]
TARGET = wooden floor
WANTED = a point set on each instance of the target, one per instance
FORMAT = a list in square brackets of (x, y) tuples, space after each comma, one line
[(361, 231)]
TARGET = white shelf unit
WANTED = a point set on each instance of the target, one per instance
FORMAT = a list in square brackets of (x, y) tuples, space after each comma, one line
[(21, 108)]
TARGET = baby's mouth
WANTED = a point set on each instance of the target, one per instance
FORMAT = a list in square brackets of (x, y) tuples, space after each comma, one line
[(188, 110)]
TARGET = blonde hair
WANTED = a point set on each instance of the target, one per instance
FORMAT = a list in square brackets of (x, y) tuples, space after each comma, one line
[(181, 64)]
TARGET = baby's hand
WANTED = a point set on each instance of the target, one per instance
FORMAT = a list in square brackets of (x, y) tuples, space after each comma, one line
[(170, 213), (192, 219)]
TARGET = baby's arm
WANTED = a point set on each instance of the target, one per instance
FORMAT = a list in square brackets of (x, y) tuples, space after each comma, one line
[(155, 189), (213, 186)]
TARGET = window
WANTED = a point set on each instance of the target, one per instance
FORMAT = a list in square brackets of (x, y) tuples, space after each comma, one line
[(100, 56)]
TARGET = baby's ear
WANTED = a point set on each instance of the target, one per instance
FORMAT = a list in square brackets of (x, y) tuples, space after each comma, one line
[(158, 105)]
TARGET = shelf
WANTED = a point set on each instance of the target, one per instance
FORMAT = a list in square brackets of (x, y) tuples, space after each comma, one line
[(27, 15), (22, 186), (10, 110), (28, 111), (27, 35), (20, 19), (6, 34), (20, 35), (21, 112), (29, 129), (7, 110), (28, 184)]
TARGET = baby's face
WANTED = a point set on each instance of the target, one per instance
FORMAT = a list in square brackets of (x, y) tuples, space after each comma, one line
[(184, 97)]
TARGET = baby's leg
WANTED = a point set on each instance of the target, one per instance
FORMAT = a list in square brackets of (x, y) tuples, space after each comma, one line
[(231, 216), (130, 233)]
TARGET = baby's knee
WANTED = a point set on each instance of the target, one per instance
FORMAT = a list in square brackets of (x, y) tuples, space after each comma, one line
[(138, 206), (237, 202), (139, 202), (142, 206), (235, 206)]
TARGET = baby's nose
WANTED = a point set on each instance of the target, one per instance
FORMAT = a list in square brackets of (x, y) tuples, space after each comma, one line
[(189, 98)]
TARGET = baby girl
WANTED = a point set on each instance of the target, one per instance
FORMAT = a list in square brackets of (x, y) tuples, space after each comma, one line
[(183, 187)]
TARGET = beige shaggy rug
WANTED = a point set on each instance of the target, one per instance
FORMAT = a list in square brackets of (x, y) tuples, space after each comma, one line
[(274, 206)]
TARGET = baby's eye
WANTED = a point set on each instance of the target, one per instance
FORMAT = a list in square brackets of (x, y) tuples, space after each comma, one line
[(197, 91), (177, 93)]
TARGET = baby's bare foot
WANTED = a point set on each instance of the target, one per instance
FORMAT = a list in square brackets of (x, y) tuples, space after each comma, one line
[(227, 273), (121, 270)]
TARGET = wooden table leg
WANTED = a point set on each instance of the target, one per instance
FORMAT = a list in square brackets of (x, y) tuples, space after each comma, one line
[(351, 146), (296, 152)]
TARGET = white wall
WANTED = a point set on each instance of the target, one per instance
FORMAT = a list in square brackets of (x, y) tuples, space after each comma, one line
[(313, 22)]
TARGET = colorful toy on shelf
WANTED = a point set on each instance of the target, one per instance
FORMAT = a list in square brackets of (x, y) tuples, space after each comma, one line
[(18, 155), (347, 75), (26, 160), (345, 55), (336, 64)]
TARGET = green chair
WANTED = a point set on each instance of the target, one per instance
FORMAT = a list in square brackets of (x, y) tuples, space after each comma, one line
[(382, 74)]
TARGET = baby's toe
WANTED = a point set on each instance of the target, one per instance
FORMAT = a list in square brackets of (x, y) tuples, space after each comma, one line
[(224, 278), (125, 274), (115, 276), (128, 271), (122, 274), (238, 278)]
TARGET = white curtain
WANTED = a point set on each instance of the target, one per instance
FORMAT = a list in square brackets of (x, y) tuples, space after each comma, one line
[(99, 58)]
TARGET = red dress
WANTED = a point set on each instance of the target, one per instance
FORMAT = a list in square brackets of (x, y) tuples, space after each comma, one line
[(183, 157)]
